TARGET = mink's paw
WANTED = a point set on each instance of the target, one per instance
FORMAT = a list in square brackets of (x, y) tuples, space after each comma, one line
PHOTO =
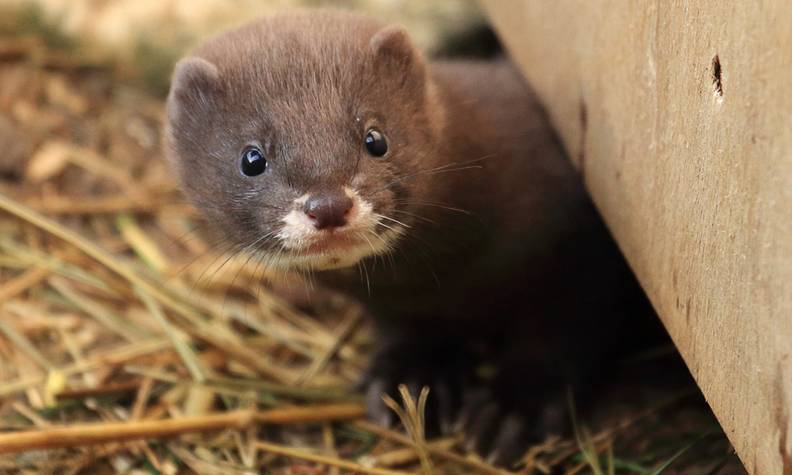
[(445, 376), (501, 429), (500, 418)]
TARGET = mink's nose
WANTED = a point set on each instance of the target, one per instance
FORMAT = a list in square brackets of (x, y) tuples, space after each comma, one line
[(328, 209)]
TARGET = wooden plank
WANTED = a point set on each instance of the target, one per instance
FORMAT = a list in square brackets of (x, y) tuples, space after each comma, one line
[(679, 116)]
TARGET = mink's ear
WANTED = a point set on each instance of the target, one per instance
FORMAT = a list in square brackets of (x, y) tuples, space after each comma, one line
[(194, 80), (392, 48), (392, 42)]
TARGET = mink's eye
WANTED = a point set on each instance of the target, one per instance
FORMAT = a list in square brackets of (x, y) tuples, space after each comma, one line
[(376, 144), (253, 162)]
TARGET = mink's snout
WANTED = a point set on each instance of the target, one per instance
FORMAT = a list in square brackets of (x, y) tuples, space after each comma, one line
[(328, 209)]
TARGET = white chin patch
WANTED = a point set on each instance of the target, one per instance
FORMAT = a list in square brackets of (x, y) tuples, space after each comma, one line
[(311, 249)]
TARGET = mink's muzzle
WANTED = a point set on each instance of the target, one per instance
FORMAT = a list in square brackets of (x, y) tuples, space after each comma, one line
[(328, 209)]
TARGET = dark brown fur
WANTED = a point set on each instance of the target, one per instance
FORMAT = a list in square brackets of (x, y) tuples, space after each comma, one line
[(505, 259)]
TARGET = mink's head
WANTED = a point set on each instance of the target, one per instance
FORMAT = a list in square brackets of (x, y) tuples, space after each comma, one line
[(299, 136)]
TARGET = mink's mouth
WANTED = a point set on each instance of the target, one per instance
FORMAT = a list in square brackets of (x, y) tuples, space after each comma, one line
[(337, 241), (343, 249)]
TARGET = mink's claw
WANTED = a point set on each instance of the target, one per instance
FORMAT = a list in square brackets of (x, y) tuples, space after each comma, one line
[(511, 441), (376, 410)]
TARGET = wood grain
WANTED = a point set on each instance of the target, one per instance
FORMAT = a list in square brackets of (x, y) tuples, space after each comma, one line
[(679, 116)]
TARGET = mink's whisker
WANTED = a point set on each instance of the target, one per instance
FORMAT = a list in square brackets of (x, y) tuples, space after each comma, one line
[(382, 216)]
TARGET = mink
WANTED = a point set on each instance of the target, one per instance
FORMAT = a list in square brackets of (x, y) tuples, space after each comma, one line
[(436, 192)]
